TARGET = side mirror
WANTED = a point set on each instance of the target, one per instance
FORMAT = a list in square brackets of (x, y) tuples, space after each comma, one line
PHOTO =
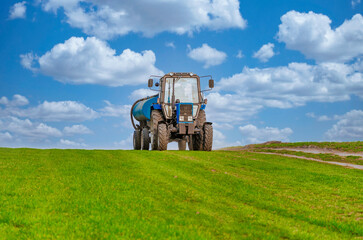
[(150, 83), (211, 83), (157, 84)]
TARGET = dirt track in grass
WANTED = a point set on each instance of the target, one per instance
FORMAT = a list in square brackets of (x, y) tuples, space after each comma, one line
[(348, 165), (322, 150)]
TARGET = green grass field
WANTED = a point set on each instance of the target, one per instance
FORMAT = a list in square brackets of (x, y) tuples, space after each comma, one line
[(82, 194)]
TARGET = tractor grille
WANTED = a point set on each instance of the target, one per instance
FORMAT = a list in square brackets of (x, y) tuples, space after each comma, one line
[(186, 113)]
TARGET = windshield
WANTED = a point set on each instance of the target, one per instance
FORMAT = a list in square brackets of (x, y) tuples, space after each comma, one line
[(186, 90)]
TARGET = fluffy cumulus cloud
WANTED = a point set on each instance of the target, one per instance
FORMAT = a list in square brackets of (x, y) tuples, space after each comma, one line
[(28, 129), (295, 84), (141, 93), (112, 110), (230, 108), (107, 19), (47, 111), (59, 111), (207, 55), (265, 53), (311, 34), (252, 134), (76, 129), (348, 128), (22, 125), (92, 61), (18, 100), (18, 10)]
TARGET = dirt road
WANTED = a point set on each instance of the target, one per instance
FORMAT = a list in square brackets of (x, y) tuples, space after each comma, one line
[(348, 165)]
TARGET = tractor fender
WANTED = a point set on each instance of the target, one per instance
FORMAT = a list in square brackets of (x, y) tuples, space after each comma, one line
[(207, 123)]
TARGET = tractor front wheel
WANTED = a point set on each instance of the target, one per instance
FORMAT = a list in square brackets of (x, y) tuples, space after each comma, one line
[(182, 145), (163, 137), (208, 137), (137, 140)]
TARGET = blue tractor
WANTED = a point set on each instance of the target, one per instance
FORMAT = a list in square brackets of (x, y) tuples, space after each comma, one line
[(175, 114)]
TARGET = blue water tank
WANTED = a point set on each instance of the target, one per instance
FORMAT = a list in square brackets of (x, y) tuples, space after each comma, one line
[(142, 110)]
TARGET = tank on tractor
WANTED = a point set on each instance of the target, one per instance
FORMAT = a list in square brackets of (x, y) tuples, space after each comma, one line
[(175, 114)]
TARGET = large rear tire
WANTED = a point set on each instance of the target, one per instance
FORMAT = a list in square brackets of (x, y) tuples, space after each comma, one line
[(145, 140), (182, 145), (199, 138), (137, 140), (156, 117), (163, 137), (208, 137)]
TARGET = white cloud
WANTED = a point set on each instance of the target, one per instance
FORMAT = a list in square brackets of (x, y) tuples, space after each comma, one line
[(312, 35), (92, 61), (230, 108), (221, 141), (355, 3), (294, 85), (226, 126), (76, 129), (265, 53), (18, 10), (239, 54), (141, 93), (348, 128), (252, 134), (125, 143), (59, 111), (243, 95), (6, 136), (71, 144), (26, 128), (112, 110), (207, 55), (170, 44), (107, 19), (47, 111), (18, 100), (319, 118)]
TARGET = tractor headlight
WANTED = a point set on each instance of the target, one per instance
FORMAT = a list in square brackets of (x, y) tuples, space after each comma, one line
[(181, 119), (190, 118)]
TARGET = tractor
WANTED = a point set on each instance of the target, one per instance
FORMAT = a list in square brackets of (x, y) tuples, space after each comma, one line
[(175, 114)]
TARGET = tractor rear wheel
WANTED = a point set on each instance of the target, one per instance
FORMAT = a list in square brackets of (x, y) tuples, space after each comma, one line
[(156, 117), (163, 137), (199, 138), (145, 141), (208, 137), (137, 140), (182, 145)]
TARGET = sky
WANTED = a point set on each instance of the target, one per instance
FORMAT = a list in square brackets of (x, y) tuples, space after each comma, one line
[(286, 70)]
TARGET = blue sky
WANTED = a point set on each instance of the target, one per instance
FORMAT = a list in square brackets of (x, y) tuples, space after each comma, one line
[(284, 70)]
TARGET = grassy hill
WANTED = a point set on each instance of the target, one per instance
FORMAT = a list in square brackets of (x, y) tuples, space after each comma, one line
[(82, 194)]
